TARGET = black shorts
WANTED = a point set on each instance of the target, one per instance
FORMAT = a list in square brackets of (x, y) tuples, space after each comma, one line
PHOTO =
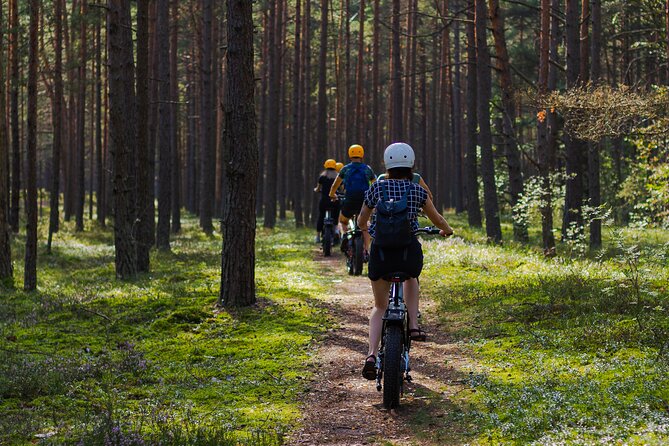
[(384, 261), (352, 204)]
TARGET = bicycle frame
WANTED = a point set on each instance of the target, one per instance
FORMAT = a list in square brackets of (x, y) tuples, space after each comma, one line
[(395, 314)]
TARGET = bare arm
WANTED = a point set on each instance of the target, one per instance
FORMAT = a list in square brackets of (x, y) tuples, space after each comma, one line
[(335, 186), (422, 184), (436, 218), (363, 218)]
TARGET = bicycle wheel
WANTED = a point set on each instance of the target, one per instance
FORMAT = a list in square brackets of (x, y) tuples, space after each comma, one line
[(327, 241), (392, 367), (358, 256)]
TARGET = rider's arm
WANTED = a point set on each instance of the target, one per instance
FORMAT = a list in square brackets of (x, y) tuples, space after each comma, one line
[(317, 188), (436, 218), (363, 218), (422, 184), (335, 186)]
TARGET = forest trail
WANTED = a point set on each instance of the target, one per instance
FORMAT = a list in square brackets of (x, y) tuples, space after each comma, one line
[(340, 407)]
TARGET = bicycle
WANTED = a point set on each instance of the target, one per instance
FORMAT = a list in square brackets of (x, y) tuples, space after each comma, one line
[(328, 234), (354, 251), (392, 363)]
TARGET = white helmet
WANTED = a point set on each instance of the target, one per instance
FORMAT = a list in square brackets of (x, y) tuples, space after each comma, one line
[(398, 154)]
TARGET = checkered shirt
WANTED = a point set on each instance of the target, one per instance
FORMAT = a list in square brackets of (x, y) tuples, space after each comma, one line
[(416, 198)]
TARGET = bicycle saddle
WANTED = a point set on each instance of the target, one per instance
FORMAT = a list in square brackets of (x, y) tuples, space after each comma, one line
[(398, 276)]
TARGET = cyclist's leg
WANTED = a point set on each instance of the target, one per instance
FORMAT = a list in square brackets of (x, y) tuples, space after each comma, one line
[(380, 288), (411, 299), (343, 223)]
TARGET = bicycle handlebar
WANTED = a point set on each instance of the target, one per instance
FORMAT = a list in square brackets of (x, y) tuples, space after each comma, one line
[(430, 230)]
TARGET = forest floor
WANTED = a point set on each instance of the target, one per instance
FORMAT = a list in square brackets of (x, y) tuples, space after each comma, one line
[(343, 408)]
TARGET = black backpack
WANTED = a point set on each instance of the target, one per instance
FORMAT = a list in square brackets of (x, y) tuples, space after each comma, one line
[(393, 225)]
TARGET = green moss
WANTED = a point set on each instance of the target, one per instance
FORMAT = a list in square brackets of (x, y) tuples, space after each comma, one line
[(90, 349)]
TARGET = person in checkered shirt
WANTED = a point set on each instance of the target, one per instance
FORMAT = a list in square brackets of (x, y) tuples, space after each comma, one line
[(399, 160)]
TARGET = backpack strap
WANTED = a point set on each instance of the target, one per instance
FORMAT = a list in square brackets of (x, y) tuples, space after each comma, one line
[(384, 190)]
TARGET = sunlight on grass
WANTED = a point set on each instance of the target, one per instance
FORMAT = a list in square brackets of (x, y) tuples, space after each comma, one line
[(98, 359)]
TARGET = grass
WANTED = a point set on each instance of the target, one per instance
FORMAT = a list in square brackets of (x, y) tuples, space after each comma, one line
[(563, 351), (88, 359), (557, 351)]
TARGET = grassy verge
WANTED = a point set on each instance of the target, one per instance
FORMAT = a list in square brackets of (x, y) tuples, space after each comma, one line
[(564, 351), (91, 360)]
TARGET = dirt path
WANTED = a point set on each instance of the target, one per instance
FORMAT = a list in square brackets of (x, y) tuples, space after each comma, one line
[(342, 408)]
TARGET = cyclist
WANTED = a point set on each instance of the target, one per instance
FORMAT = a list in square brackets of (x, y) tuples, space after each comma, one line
[(399, 160), (356, 177), (416, 179), (325, 180)]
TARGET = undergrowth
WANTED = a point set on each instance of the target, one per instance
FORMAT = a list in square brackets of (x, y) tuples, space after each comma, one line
[(563, 350), (91, 360)]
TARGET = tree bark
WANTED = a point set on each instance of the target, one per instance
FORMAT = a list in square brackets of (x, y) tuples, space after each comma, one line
[(572, 217), (6, 269), (57, 122), (207, 152), (297, 177), (30, 272), (542, 132), (396, 84), (457, 116), (122, 135), (174, 119), (273, 109), (484, 84), (471, 164), (101, 178), (239, 220), (163, 137), (145, 218), (510, 140), (14, 114), (595, 148), (81, 121)]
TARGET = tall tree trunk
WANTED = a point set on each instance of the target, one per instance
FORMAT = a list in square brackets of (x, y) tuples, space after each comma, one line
[(164, 123), (396, 87), (57, 122), (457, 116), (510, 139), (14, 114), (100, 188), (594, 148), (207, 152), (296, 152), (122, 135), (262, 121), (309, 154), (30, 272), (273, 107), (490, 205), (572, 223), (145, 218), (81, 121), (174, 119), (239, 220), (322, 115), (360, 117), (6, 269), (376, 51), (542, 132), (471, 168)]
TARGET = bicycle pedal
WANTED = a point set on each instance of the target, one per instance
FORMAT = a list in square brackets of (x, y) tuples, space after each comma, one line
[(408, 378)]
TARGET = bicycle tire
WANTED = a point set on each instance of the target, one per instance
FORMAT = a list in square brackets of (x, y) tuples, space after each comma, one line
[(327, 241), (358, 256), (392, 367)]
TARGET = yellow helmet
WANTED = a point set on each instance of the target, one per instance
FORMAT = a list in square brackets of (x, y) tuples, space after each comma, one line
[(339, 166), (330, 164), (356, 151)]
